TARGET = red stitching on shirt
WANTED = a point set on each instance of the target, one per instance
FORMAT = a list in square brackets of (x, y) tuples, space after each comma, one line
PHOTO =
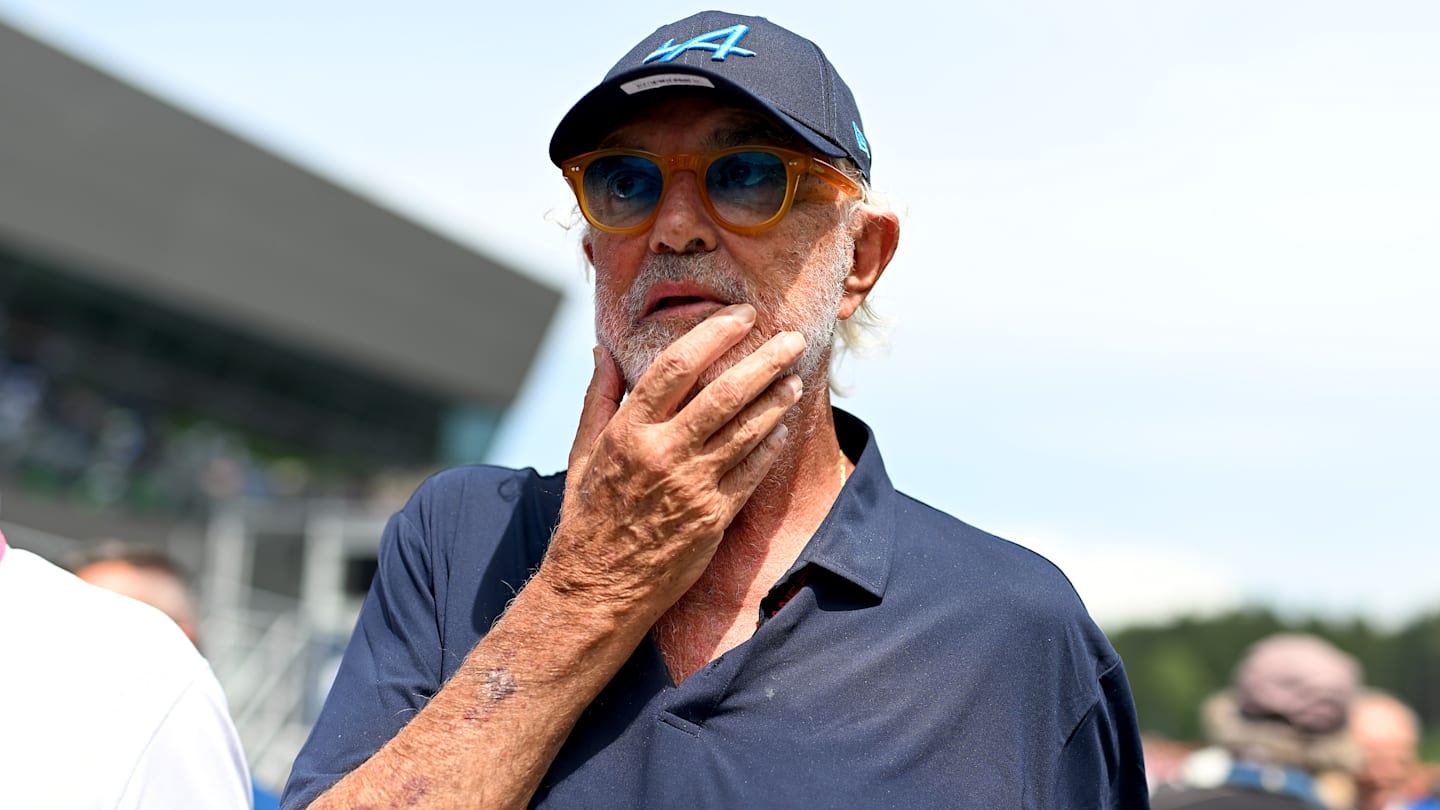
[(795, 584)]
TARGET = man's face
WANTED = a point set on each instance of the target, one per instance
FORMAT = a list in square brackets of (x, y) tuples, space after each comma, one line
[(1390, 742), (654, 286)]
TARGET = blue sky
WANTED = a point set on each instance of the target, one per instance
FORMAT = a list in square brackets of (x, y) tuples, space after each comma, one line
[(1165, 303)]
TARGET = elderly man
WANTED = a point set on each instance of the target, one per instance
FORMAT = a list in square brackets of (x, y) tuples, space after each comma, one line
[(723, 602)]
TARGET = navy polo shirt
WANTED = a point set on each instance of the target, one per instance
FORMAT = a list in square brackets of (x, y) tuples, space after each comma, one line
[(907, 660)]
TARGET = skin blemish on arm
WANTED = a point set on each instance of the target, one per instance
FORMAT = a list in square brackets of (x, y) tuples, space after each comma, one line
[(496, 685), (414, 790)]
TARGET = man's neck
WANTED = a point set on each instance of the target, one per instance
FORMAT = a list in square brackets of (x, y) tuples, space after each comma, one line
[(763, 541)]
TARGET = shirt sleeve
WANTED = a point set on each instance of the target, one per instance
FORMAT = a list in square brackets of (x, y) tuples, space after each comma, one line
[(1103, 757), (195, 758), (390, 669)]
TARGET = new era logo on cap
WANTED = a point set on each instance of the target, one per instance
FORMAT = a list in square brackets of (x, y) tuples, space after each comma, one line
[(750, 59)]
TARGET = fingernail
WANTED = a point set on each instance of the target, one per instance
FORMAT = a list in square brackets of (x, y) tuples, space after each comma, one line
[(595, 355), (743, 313), (778, 434), (793, 385), (795, 342)]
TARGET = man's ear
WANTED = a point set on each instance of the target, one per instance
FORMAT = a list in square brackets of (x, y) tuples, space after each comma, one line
[(875, 242), (587, 246)]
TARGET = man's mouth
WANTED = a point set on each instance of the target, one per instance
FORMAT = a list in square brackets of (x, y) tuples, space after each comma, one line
[(671, 300)]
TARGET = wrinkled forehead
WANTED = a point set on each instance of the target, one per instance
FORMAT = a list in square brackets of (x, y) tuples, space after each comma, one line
[(701, 121)]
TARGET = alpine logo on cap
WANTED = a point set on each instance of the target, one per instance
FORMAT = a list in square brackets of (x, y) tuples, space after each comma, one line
[(860, 139), (729, 39)]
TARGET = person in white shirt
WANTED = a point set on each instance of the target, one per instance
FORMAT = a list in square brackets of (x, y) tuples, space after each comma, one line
[(104, 703)]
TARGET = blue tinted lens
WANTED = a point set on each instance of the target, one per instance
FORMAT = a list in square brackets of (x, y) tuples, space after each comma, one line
[(747, 188), (622, 190)]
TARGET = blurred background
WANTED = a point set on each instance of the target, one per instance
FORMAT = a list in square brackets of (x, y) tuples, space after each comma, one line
[(1164, 308)]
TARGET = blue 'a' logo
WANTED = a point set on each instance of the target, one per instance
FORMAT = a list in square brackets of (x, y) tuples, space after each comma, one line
[(729, 39), (860, 139)]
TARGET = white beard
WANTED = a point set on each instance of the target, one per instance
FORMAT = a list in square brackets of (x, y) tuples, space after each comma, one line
[(636, 343)]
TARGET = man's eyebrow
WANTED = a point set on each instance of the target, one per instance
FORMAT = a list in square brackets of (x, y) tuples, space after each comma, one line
[(756, 132)]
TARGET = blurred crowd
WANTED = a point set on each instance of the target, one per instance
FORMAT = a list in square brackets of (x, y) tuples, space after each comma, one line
[(63, 436), (1297, 728)]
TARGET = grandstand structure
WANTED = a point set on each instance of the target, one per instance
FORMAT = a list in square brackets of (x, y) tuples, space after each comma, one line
[(207, 347)]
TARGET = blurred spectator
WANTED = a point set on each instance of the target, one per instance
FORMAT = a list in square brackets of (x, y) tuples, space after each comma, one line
[(153, 577), (103, 703), (1280, 733), (1388, 733), (143, 573)]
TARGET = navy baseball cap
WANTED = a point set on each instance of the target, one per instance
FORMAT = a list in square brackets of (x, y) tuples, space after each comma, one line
[(750, 58)]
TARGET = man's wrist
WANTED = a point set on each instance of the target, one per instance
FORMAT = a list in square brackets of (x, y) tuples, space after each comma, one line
[(574, 607)]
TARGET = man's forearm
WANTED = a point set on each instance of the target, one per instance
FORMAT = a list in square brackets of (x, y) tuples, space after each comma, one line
[(489, 735)]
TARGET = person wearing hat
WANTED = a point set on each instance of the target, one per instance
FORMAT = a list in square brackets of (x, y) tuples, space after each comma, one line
[(1281, 733), (723, 602)]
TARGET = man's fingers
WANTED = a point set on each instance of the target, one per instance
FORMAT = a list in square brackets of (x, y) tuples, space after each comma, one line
[(740, 482), (740, 385), (602, 399), (733, 442), (676, 370)]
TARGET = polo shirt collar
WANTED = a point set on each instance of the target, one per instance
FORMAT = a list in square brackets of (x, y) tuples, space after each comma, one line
[(856, 539)]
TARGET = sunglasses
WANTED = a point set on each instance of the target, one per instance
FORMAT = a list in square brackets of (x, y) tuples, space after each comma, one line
[(746, 189)]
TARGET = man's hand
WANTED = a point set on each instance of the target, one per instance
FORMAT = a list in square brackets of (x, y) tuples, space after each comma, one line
[(653, 485), (654, 482)]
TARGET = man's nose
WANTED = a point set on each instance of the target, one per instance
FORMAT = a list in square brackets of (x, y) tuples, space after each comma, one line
[(682, 225)]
